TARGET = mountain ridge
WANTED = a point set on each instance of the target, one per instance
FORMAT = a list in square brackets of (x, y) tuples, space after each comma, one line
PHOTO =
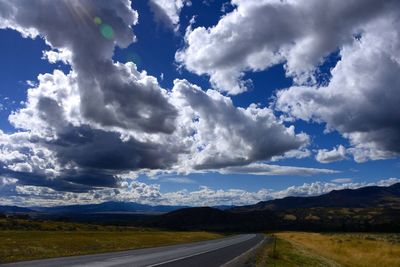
[(369, 196), (108, 206), (372, 208)]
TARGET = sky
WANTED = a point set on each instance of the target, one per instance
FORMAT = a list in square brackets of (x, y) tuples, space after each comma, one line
[(182, 102)]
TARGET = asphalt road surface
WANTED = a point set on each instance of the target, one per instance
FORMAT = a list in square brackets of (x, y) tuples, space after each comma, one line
[(206, 253)]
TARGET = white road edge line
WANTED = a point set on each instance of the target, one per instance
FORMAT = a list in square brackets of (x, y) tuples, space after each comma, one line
[(188, 256), (247, 251), (184, 257)]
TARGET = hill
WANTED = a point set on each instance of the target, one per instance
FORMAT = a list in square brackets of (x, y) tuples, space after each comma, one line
[(14, 209), (108, 207), (365, 209), (365, 197), (371, 208)]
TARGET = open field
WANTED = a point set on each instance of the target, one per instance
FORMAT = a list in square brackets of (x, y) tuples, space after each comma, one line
[(288, 254), (331, 249), (53, 240)]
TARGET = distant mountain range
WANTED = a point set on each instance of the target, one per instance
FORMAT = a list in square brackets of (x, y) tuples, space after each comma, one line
[(14, 209), (370, 208), (365, 197), (109, 207), (105, 207)]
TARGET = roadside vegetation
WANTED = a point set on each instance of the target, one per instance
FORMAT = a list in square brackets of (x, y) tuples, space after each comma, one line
[(27, 240), (280, 252), (330, 249)]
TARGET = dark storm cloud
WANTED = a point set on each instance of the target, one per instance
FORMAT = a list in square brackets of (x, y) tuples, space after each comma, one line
[(106, 150), (82, 163)]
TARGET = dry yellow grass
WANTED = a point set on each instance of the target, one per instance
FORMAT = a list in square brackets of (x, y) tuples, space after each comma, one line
[(350, 249), (283, 253), (27, 245)]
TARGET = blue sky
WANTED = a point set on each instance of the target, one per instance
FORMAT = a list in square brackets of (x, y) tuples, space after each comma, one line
[(367, 158)]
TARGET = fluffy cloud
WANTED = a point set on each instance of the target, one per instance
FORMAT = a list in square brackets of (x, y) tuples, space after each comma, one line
[(361, 99), (342, 180), (167, 11), (74, 153), (258, 34), (94, 126), (13, 193), (103, 118), (224, 135), (268, 169), (59, 142), (206, 196), (111, 95), (328, 156), (7, 186)]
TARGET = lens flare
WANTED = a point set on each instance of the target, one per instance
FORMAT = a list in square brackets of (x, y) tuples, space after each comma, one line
[(107, 31), (97, 20)]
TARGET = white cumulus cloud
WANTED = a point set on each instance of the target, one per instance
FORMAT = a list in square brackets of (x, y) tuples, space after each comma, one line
[(361, 99), (259, 34), (167, 12), (104, 120), (328, 156)]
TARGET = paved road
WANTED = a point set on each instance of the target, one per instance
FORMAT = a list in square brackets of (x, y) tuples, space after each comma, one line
[(206, 253)]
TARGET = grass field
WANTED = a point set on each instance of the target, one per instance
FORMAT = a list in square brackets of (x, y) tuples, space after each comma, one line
[(17, 245), (284, 253), (333, 249)]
